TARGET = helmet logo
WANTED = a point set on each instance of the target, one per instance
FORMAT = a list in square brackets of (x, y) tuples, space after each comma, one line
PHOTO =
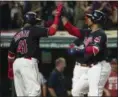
[(95, 14)]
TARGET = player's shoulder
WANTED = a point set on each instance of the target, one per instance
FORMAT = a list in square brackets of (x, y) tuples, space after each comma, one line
[(101, 32), (85, 30), (17, 33), (38, 28)]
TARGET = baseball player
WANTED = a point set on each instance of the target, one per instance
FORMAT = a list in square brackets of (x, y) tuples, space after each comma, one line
[(24, 51), (91, 70)]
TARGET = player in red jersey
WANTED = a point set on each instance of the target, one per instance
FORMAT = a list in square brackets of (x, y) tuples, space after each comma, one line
[(111, 87)]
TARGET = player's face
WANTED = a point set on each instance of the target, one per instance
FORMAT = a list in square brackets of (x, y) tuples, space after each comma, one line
[(88, 21)]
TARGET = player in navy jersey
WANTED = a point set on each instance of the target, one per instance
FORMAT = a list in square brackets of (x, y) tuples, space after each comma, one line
[(91, 70), (24, 54)]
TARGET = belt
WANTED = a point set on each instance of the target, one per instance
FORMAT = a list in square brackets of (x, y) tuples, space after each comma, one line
[(28, 58), (84, 65), (92, 64)]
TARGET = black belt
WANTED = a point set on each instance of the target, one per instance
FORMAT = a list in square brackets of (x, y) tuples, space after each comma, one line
[(89, 64), (28, 57)]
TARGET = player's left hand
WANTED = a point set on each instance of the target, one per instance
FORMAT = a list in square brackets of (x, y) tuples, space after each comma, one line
[(10, 74), (59, 9)]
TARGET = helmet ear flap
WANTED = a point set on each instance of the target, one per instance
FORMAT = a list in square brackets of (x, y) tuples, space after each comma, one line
[(93, 19)]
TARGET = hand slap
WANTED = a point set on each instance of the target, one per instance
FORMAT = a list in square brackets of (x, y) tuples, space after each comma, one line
[(59, 9)]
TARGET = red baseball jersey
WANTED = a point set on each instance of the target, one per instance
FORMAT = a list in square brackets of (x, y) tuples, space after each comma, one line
[(112, 84)]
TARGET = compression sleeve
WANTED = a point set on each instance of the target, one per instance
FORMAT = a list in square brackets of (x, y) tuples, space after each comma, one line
[(53, 28), (73, 30)]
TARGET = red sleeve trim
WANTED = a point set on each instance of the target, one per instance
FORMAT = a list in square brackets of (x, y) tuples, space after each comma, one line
[(72, 30), (11, 55), (92, 50)]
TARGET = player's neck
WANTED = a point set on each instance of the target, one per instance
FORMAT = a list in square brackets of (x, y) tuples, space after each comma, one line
[(94, 28)]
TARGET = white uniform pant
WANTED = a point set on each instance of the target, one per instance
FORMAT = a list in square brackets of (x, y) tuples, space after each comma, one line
[(26, 77), (90, 80)]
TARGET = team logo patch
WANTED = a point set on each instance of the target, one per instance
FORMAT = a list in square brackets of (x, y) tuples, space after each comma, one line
[(88, 40), (97, 39)]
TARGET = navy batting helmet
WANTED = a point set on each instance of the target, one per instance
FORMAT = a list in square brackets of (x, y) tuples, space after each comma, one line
[(30, 17), (97, 17)]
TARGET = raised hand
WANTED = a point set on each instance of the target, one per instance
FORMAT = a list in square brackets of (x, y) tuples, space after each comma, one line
[(59, 9)]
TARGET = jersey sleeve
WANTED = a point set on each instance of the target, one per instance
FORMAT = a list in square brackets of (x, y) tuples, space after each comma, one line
[(75, 31), (40, 32)]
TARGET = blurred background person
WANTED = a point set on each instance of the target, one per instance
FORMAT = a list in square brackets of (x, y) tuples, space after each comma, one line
[(69, 10), (111, 87), (36, 7), (5, 19), (16, 14), (114, 14), (56, 82), (79, 13)]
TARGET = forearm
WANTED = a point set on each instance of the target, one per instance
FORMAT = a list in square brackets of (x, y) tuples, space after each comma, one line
[(44, 91), (107, 93), (70, 28), (52, 92), (11, 58), (54, 26)]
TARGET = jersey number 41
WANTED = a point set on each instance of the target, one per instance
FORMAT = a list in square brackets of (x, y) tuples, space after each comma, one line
[(22, 47)]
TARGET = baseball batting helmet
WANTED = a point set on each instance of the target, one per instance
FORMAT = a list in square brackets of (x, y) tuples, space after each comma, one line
[(97, 17), (30, 17)]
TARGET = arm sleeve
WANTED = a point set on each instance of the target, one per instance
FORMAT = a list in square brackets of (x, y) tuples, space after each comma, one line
[(74, 30), (52, 81), (96, 45)]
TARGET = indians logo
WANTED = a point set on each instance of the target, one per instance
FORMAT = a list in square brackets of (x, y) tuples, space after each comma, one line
[(87, 40), (97, 39)]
